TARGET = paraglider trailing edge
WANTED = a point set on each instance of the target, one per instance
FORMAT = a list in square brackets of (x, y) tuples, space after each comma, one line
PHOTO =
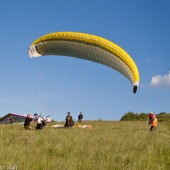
[(88, 47)]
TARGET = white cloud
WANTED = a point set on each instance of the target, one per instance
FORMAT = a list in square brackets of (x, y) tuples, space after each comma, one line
[(160, 81)]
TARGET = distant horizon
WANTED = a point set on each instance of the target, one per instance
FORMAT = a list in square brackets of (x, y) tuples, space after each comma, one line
[(76, 119)]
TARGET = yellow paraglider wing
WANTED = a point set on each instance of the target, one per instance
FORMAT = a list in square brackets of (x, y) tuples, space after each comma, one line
[(88, 47)]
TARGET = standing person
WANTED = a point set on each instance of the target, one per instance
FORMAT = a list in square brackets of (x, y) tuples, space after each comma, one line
[(80, 117), (152, 121), (69, 120), (11, 119), (27, 122), (40, 121)]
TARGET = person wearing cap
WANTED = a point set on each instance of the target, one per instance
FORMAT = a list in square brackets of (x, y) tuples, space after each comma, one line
[(152, 121)]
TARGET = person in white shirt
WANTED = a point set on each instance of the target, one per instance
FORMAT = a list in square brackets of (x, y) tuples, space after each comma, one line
[(40, 121)]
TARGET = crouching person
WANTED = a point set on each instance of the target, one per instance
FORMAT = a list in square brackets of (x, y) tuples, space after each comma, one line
[(27, 122), (40, 121)]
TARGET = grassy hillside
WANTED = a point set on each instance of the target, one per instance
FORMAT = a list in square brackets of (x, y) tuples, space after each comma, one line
[(107, 146)]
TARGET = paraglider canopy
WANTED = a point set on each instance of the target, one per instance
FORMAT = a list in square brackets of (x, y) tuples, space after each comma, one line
[(88, 47)]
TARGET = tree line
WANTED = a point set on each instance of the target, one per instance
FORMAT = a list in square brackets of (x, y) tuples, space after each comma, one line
[(131, 116)]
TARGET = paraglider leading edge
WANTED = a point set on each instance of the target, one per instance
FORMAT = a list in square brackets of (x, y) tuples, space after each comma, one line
[(88, 47)]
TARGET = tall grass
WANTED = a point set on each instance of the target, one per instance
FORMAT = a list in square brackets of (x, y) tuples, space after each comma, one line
[(108, 145)]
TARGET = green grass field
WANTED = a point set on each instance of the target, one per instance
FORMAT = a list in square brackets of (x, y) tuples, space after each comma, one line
[(108, 145)]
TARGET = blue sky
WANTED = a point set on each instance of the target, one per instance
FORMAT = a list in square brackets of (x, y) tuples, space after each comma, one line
[(55, 84)]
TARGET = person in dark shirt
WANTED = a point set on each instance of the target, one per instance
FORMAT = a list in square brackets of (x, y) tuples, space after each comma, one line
[(69, 121), (28, 120), (80, 117)]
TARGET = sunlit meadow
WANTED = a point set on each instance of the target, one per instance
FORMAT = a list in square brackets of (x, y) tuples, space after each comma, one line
[(108, 145)]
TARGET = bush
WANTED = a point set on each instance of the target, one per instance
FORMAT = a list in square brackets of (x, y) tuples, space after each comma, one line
[(130, 116)]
